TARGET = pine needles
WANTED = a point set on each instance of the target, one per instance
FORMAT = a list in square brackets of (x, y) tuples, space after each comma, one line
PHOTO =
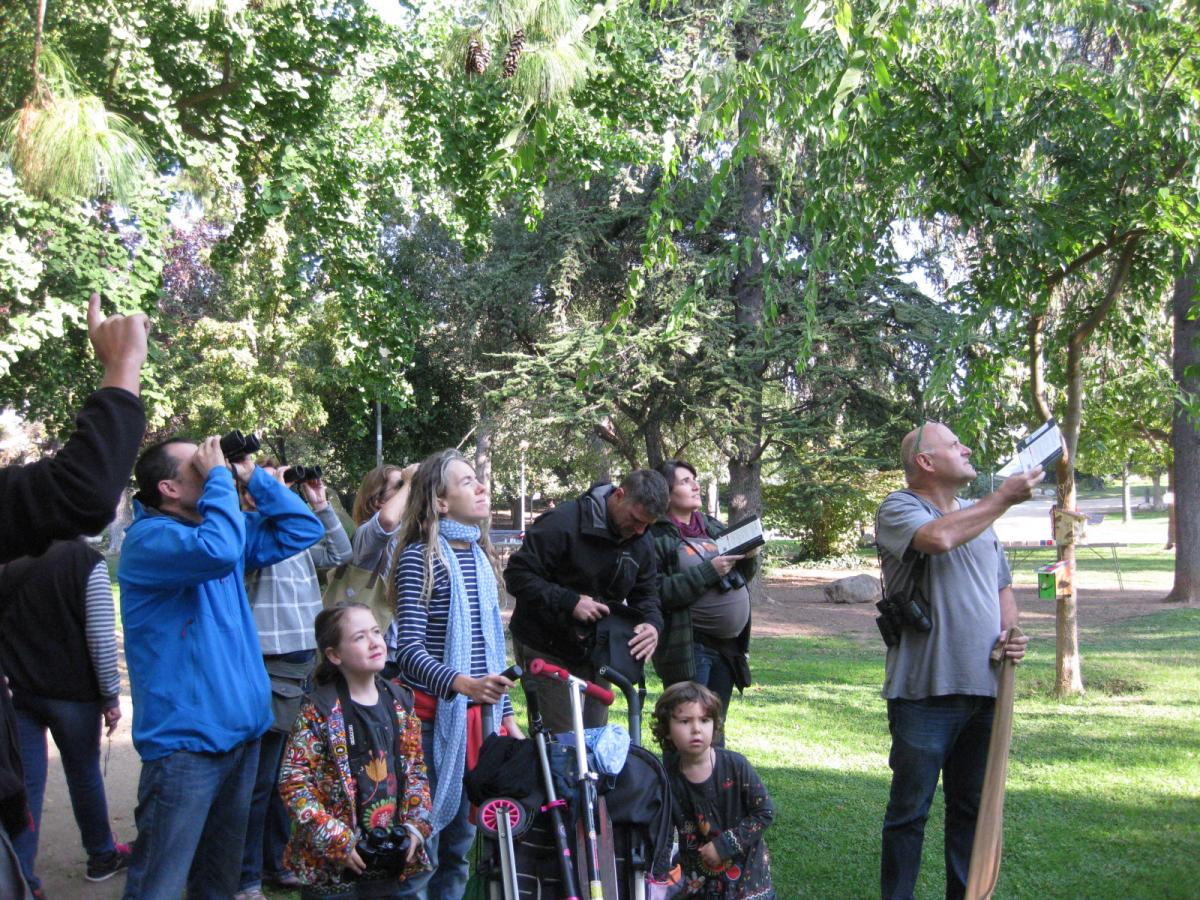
[(63, 144)]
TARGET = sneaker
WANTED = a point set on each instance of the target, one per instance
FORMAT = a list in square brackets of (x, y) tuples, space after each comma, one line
[(102, 868), (252, 894)]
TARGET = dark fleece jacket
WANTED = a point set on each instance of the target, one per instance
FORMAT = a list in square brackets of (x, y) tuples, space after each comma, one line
[(72, 493), (570, 551)]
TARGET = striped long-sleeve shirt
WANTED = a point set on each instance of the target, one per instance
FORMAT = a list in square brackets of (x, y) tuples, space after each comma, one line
[(421, 629), (101, 629)]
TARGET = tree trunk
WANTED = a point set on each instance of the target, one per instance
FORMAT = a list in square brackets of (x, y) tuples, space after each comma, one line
[(1068, 678), (604, 463), (1185, 438), (483, 456), (656, 449), (745, 463), (1126, 500), (1170, 545), (1156, 494), (714, 497), (38, 25)]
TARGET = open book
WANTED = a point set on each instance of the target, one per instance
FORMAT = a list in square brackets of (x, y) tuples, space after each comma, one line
[(1040, 448), (741, 538)]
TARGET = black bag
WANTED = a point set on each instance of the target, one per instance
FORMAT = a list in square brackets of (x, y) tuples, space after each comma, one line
[(610, 642), (289, 681)]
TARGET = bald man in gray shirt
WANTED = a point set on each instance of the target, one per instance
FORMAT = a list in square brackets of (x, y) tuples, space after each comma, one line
[(940, 684)]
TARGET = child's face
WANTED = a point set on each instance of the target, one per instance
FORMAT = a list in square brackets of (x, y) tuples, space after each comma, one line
[(691, 729), (361, 648)]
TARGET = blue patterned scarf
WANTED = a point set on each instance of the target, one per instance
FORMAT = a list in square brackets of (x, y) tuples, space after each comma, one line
[(450, 726)]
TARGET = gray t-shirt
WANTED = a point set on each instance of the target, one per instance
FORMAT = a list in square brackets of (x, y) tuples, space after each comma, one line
[(721, 614), (963, 588)]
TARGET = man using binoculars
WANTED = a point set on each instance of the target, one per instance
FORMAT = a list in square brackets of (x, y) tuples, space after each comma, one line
[(201, 696), (940, 683)]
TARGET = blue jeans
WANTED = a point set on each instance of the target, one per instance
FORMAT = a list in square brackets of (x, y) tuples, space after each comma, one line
[(191, 818), (715, 673), (75, 726), (449, 849), (267, 827), (947, 735)]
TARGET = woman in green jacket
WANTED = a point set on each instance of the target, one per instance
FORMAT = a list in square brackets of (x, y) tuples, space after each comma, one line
[(705, 596)]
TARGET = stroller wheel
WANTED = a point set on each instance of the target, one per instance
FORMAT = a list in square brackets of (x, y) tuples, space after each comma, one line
[(519, 818)]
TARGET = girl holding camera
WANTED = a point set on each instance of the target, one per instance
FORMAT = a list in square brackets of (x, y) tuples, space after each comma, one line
[(705, 596), (353, 775)]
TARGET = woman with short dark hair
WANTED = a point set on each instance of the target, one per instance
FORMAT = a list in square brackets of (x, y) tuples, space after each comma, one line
[(705, 596)]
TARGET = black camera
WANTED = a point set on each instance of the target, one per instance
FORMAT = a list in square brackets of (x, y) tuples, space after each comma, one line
[(301, 473), (237, 446), (385, 849)]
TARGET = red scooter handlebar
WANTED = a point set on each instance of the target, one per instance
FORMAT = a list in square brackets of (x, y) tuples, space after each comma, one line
[(543, 669)]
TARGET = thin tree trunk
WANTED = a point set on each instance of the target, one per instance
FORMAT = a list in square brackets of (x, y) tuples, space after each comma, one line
[(1185, 437), (483, 456), (714, 497), (1156, 494), (745, 464), (1068, 678), (38, 25), (1170, 545), (603, 461), (1126, 500)]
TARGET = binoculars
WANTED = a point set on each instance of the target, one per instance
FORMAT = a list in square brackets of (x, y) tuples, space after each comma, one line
[(296, 474), (237, 446)]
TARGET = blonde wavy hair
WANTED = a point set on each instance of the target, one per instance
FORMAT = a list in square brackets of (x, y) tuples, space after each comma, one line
[(421, 520)]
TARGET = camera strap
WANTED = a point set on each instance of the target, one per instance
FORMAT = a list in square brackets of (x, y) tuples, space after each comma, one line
[(361, 739)]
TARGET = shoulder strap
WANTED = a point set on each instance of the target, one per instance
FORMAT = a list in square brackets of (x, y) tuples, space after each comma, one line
[(399, 693)]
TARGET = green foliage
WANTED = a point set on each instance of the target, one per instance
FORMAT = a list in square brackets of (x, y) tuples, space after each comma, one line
[(65, 145), (824, 510)]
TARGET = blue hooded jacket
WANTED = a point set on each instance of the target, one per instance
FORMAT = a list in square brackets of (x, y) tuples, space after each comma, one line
[(195, 665)]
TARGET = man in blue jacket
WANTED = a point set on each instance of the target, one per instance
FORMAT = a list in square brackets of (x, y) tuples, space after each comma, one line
[(201, 696)]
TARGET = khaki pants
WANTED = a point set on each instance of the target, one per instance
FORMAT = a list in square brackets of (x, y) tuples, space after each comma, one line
[(553, 699)]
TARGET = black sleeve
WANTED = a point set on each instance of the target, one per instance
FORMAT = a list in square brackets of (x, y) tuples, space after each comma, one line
[(77, 490), (644, 595)]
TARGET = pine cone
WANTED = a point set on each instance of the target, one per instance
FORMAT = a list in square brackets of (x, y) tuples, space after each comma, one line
[(479, 57), (515, 45)]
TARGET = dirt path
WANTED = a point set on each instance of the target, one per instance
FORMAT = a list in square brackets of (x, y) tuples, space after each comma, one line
[(795, 606)]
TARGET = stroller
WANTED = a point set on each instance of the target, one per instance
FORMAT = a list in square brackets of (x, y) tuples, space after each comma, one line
[(599, 837)]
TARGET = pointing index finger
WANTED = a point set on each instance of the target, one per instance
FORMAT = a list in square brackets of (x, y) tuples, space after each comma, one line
[(94, 315)]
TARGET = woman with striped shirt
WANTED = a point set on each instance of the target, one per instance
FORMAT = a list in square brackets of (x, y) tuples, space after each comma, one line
[(450, 649)]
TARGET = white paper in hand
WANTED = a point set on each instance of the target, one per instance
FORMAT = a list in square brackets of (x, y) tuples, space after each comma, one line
[(1041, 448)]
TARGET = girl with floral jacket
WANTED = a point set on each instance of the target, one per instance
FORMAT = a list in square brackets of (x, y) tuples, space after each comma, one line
[(354, 764)]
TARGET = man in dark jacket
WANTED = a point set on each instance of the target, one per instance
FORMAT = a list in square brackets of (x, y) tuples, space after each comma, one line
[(75, 492), (576, 562)]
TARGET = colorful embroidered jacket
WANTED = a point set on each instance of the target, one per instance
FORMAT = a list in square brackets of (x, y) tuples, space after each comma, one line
[(319, 791), (732, 810)]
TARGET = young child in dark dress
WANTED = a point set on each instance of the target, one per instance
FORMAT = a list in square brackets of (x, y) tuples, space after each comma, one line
[(722, 807)]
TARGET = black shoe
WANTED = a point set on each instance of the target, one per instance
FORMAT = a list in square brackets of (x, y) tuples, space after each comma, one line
[(104, 867)]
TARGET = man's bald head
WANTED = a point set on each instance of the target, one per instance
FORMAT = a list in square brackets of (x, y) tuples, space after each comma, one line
[(911, 446)]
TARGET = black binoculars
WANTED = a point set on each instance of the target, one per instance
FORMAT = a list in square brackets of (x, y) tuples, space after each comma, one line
[(385, 849), (295, 474), (237, 446)]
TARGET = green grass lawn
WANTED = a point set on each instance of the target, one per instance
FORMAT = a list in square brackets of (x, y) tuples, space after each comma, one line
[(1103, 792), (1143, 567)]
